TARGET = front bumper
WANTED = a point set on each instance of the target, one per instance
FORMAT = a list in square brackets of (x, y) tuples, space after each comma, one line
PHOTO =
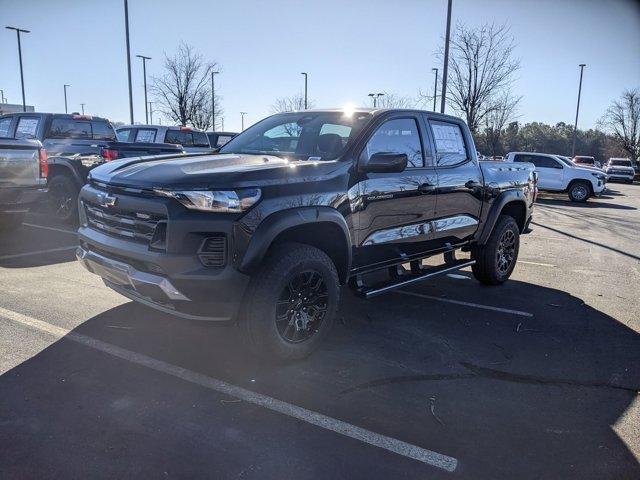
[(620, 177)]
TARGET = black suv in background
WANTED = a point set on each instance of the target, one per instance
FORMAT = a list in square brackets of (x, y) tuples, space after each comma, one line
[(265, 232), (75, 144)]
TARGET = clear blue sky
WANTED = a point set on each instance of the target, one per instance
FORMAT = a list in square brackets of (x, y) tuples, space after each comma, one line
[(349, 48)]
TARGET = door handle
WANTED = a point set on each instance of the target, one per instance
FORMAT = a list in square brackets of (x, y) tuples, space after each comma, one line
[(426, 188), (472, 184)]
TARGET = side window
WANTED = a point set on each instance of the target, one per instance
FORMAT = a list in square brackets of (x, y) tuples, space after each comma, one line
[(546, 162), (103, 131), (5, 125), (450, 146), (178, 137), (397, 136), (146, 135), (27, 127), (69, 128), (123, 134)]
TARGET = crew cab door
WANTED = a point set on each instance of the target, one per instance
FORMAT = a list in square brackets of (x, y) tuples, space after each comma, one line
[(395, 208), (550, 171), (460, 183)]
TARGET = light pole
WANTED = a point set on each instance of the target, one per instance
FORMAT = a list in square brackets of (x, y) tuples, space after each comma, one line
[(242, 114), (435, 88), (144, 72), (151, 112), (1, 96), (82, 106), (222, 125), (306, 75), (575, 125), (65, 97), (126, 29), (375, 97), (18, 31), (213, 100), (446, 59)]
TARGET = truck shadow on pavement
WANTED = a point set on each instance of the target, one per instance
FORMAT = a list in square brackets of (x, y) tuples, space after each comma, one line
[(592, 203), (530, 395)]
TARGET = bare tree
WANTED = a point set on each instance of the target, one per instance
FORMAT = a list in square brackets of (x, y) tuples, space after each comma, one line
[(623, 120), (295, 103), (394, 100), (184, 91), (502, 112), (482, 69)]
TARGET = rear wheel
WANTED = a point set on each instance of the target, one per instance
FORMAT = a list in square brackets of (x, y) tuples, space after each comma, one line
[(63, 198), (496, 259), (579, 192), (291, 303)]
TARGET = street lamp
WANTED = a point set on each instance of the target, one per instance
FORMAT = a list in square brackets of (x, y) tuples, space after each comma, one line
[(575, 125), (151, 112), (144, 72), (306, 75), (1, 96), (126, 29), (242, 114), (435, 88), (18, 32), (443, 95), (82, 106), (375, 97), (213, 100), (65, 97)]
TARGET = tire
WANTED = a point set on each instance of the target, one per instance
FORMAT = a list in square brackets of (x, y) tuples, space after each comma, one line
[(579, 191), (11, 221), (278, 289), (496, 259), (63, 198)]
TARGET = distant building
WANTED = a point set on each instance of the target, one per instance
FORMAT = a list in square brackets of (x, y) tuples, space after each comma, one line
[(13, 108)]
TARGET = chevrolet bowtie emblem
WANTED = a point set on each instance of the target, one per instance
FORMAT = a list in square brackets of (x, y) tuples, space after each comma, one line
[(106, 200)]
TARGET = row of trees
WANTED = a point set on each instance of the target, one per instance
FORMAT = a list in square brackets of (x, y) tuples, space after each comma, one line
[(482, 73)]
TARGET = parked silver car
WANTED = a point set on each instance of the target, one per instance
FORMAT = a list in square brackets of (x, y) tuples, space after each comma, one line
[(191, 139)]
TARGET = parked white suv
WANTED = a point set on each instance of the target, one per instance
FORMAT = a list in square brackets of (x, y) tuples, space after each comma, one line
[(557, 174), (620, 169)]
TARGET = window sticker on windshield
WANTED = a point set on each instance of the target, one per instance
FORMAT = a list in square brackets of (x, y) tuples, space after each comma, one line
[(27, 128), (146, 136), (448, 138)]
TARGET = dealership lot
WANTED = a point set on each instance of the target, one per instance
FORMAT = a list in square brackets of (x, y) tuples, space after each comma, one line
[(538, 378)]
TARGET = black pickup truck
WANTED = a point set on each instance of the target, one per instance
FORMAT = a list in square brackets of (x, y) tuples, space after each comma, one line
[(75, 144), (265, 232), (23, 178)]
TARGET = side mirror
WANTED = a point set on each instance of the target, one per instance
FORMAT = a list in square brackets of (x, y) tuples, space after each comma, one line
[(385, 163)]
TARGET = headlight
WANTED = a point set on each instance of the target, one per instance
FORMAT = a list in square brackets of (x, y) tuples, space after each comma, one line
[(599, 176), (221, 201)]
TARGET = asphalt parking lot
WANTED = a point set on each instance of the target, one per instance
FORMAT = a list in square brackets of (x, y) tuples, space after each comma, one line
[(538, 378)]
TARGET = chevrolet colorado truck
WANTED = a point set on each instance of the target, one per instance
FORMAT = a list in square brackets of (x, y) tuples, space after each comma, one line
[(23, 179), (264, 233), (75, 144)]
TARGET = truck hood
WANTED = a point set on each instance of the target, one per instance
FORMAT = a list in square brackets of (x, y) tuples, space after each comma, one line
[(210, 171)]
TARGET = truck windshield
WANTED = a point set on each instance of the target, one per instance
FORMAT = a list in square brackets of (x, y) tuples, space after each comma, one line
[(620, 163), (300, 135)]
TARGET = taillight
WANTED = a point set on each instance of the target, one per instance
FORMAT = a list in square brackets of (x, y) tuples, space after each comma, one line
[(109, 154), (44, 163)]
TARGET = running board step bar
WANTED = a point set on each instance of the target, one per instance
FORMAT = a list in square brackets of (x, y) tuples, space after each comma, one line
[(409, 278)]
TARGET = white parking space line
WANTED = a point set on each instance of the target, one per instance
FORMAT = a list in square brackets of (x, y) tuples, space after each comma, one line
[(536, 263), (72, 232), (390, 444), (466, 304), (37, 252)]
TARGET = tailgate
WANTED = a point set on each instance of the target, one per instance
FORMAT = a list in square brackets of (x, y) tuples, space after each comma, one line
[(19, 164)]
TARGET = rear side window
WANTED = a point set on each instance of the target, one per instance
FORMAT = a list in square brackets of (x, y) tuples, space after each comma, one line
[(222, 140), (5, 125), (103, 130), (123, 134), (539, 161), (450, 146), (27, 127), (200, 139), (397, 136), (145, 135)]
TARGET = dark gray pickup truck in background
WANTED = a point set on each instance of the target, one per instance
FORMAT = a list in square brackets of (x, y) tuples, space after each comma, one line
[(75, 144), (23, 178)]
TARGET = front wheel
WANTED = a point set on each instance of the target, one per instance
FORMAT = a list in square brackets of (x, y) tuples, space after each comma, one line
[(291, 303), (579, 192), (496, 259)]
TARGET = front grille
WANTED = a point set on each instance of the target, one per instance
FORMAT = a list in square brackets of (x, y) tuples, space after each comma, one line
[(213, 251), (619, 172), (132, 225)]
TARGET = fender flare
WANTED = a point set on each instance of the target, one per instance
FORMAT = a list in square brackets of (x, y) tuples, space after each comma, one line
[(279, 222), (497, 206), (68, 165)]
